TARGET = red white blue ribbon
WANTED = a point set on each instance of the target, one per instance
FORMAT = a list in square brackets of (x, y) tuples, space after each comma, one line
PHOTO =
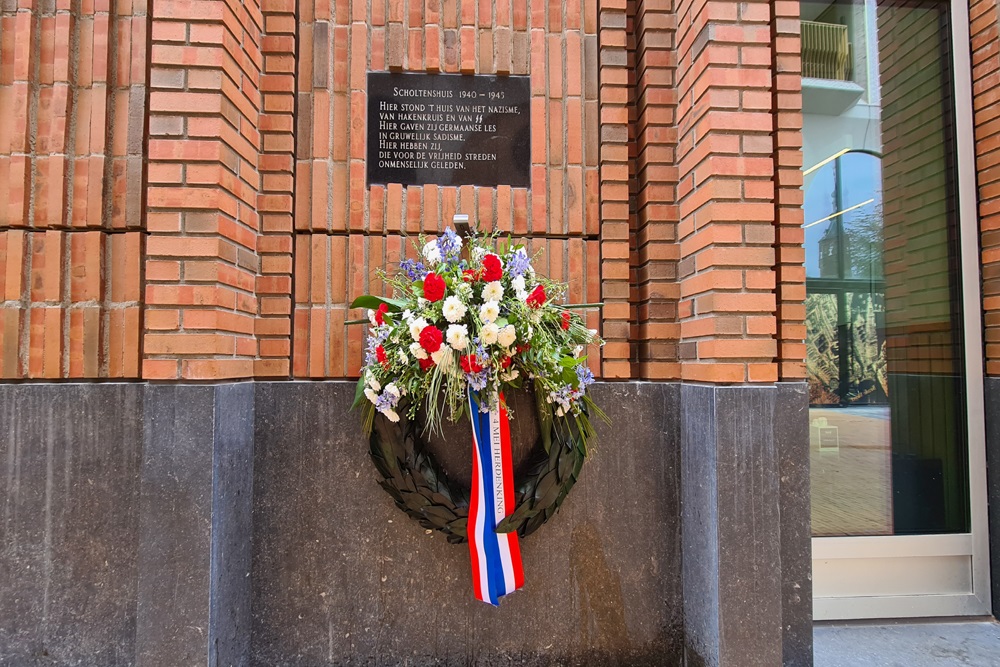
[(496, 557)]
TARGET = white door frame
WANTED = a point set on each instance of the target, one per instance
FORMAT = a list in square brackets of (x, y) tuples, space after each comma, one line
[(928, 575)]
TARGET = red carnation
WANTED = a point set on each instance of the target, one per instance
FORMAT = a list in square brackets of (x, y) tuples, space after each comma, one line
[(492, 268), (470, 364), (506, 362), (537, 297), (430, 339), (381, 356), (434, 287), (380, 314), (426, 364), (566, 317)]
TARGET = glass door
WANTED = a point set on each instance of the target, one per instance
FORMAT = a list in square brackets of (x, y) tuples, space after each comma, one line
[(892, 311)]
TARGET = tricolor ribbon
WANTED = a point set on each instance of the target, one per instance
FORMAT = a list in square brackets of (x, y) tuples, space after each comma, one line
[(496, 557)]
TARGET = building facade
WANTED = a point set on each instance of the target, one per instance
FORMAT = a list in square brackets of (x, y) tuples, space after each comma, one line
[(787, 209)]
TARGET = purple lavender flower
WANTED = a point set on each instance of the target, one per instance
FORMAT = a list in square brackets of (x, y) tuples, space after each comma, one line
[(414, 270), (518, 263), (450, 245)]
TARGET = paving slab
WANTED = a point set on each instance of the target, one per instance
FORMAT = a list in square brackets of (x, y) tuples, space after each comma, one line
[(951, 644)]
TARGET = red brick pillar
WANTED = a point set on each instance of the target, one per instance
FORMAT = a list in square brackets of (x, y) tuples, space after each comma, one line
[(203, 222), (726, 192), (614, 175)]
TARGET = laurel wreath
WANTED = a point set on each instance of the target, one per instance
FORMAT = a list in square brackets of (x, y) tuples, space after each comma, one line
[(421, 488)]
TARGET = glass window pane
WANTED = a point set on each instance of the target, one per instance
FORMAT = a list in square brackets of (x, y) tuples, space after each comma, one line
[(884, 326)]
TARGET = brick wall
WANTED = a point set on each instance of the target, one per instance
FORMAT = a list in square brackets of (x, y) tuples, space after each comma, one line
[(984, 18), (73, 95), (665, 176), (366, 227)]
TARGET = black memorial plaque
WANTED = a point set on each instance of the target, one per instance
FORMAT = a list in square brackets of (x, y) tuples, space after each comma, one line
[(448, 129)]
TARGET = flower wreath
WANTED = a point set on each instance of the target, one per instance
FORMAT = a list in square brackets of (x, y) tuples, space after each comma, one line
[(468, 322)]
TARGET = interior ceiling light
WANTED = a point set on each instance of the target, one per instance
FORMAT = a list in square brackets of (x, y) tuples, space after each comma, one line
[(829, 159), (834, 215)]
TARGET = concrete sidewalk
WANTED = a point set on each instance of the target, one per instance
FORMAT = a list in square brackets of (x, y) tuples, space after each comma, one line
[(909, 644)]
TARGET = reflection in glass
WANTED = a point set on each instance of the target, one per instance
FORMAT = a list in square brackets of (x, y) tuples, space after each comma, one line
[(883, 318)]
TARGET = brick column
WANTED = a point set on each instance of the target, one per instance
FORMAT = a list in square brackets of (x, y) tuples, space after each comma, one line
[(726, 192), (275, 202), (203, 222), (655, 204), (614, 174)]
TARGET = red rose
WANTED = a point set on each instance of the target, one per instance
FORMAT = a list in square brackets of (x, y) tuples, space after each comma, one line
[(434, 287), (430, 339), (537, 297), (492, 268), (426, 364), (380, 314), (470, 364), (565, 320)]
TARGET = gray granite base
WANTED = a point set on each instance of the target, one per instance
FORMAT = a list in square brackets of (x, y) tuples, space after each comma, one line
[(745, 524), (241, 524)]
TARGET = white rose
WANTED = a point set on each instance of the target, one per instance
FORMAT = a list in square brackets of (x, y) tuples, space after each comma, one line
[(489, 311), (442, 358), (417, 351), (507, 336), (489, 333), (493, 291), (510, 375), (458, 336), (432, 253), (453, 309), (416, 326)]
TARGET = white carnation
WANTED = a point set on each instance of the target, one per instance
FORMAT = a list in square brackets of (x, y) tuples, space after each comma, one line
[(416, 326), (453, 309), (373, 383), (489, 333), (489, 311), (371, 395), (391, 415), (432, 253), (518, 283), (417, 351), (371, 317), (510, 376), (403, 359), (507, 336), (493, 291), (392, 389), (458, 336)]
